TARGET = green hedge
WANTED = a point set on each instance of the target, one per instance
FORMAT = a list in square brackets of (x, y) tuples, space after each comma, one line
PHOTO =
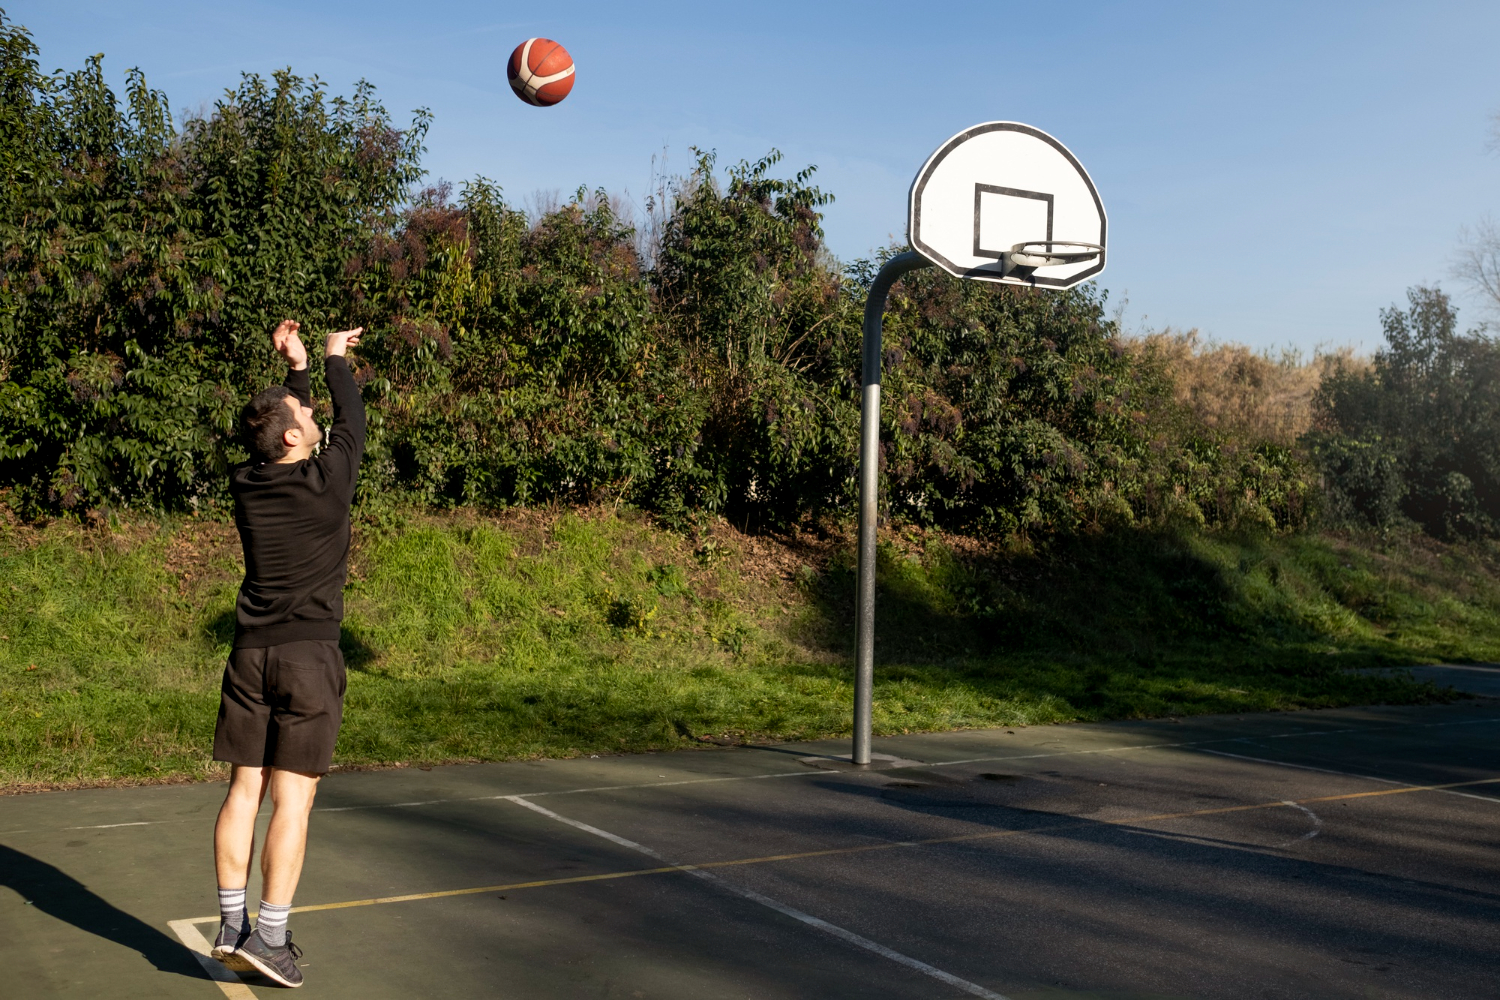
[(515, 360), (1416, 438)]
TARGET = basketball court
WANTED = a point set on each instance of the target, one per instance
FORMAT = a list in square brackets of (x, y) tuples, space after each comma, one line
[(1345, 853)]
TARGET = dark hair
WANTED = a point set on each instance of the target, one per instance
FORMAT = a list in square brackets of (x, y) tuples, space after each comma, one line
[(264, 420)]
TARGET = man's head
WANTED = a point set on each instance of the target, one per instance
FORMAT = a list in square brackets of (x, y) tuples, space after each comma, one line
[(278, 428)]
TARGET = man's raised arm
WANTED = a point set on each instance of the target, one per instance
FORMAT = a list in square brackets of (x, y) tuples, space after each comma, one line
[(346, 439), (289, 345)]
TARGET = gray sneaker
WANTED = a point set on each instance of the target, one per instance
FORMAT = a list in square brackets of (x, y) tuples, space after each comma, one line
[(276, 964), (227, 946)]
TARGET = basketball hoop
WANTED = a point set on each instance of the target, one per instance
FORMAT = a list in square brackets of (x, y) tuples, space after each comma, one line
[(1022, 260), (1052, 253), (971, 202)]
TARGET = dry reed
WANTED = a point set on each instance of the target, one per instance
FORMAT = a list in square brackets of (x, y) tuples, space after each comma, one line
[(1259, 395)]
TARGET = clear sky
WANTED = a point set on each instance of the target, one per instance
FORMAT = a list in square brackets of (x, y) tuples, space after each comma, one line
[(1274, 172)]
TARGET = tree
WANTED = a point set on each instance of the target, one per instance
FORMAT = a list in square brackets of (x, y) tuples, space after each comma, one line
[(1478, 263), (142, 266), (515, 360), (1420, 432)]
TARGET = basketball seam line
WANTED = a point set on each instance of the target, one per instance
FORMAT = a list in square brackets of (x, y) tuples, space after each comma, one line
[(530, 82)]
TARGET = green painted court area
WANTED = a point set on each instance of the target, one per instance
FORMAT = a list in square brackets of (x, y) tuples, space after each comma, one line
[(1341, 853)]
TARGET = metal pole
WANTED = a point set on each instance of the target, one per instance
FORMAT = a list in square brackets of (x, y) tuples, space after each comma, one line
[(869, 484)]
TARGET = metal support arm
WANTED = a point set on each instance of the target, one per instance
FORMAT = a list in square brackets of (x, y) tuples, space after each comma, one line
[(869, 502)]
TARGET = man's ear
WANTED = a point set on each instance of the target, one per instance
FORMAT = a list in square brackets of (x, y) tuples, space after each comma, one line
[(291, 437)]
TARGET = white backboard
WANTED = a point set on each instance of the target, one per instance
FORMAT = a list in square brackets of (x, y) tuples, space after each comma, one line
[(996, 185)]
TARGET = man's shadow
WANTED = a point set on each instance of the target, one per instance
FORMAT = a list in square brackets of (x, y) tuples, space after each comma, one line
[(64, 897)]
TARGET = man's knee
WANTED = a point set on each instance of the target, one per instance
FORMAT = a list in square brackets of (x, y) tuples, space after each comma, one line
[(293, 790), (248, 783)]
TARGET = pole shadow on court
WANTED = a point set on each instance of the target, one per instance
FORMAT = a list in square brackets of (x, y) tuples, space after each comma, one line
[(58, 894)]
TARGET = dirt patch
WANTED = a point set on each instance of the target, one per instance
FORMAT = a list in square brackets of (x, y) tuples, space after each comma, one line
[(200, 552)]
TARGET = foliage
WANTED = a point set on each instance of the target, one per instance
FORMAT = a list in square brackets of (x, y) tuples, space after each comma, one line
[(1014, 409), (1417, 436), (142, 266), (516, 361)]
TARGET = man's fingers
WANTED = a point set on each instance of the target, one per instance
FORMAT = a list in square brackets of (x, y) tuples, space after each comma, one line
[(285, 334), (339, 342)]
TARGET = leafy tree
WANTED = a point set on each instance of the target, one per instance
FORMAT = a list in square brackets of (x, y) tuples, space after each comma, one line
[(1418, 436), (754, 304), (142, 266), (515, 360)]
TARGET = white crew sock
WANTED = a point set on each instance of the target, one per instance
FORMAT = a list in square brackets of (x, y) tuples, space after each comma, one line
[(232, 908), (270, 923)]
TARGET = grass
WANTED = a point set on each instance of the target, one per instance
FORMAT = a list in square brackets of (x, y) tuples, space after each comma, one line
[(472, 637)]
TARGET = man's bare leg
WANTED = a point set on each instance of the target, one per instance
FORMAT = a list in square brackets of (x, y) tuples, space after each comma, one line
[(234, 833), (234, 847), (269, 950), (292, 794)]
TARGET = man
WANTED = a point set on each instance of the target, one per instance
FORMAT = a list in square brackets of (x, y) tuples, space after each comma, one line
[(283, 693)]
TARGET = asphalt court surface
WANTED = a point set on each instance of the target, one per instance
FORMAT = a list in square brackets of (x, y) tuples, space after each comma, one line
[(1474, 678), (1346, 853)]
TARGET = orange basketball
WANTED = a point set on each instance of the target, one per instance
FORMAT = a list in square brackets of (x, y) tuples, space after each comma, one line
[(540, 72)]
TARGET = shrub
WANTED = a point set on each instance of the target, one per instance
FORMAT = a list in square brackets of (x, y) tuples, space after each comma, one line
[(1417, 436), (142, 267), (515, 360)]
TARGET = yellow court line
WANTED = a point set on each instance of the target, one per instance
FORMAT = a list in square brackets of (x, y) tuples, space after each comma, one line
[(862, 848), (486, 888)]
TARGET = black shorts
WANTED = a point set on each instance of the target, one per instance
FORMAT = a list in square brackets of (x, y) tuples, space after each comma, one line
[(281, 706)]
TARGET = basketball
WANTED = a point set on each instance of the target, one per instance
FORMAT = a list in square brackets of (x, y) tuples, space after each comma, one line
[(540, 72)]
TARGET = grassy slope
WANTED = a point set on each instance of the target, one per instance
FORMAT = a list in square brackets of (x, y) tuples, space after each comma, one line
[(530, 634)]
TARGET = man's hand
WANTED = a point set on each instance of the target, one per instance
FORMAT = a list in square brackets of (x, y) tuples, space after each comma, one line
[(340, 342), (284, 338)]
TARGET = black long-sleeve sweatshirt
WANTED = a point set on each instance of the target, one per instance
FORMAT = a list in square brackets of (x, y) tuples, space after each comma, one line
[(293, 519)]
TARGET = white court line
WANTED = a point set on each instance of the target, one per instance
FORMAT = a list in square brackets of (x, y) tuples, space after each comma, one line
[(1348, 774), (941, 763), (193, 939), (398, 805), (1309, 835), (812, 773), (842, 934)]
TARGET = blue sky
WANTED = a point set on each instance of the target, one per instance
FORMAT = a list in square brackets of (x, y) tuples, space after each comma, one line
[(1274, 173)]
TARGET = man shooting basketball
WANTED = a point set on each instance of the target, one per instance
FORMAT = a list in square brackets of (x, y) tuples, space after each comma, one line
[(283, 693)]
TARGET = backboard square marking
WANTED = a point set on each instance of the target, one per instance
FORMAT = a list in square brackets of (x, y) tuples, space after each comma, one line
[(1001, 213)]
